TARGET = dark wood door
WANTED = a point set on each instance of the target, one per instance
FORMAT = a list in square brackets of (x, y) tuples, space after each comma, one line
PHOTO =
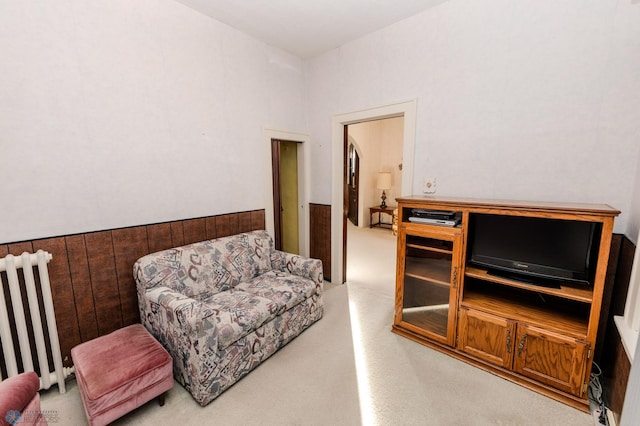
[(353, 182), (277, 201)]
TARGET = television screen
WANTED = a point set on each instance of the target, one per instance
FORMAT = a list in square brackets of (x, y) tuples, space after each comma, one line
[(553, 249)]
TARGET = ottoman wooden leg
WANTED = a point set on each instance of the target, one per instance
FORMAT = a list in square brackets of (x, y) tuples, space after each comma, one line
[(161, 399)]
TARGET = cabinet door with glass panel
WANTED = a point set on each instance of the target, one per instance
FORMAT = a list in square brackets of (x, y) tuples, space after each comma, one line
[(427, 281)]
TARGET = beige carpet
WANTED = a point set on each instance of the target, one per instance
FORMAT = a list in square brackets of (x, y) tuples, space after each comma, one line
[(349, 369)]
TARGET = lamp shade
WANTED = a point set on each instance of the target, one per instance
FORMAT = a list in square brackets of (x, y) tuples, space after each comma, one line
[(384, 180)]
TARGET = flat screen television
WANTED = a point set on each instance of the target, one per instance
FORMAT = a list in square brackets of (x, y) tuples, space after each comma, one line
[(548, 251)]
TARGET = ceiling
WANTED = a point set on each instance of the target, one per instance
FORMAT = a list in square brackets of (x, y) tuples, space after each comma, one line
[(307, 28)]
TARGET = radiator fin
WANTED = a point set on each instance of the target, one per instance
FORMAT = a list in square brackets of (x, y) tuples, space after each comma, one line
[(31, 330)]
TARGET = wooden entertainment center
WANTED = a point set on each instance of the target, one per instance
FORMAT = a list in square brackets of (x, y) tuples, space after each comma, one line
[(538, 336)]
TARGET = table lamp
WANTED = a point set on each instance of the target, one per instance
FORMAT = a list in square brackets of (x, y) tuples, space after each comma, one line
[(384, 183)]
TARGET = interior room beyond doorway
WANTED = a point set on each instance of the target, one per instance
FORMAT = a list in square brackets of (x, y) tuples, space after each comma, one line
[(378, 147)]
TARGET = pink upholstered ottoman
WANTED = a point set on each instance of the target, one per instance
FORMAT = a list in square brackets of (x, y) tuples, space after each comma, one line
[(121, 371)]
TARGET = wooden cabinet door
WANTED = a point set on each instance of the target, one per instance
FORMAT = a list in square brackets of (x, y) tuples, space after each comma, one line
[(550, 358), (485, 336), (428, 280)]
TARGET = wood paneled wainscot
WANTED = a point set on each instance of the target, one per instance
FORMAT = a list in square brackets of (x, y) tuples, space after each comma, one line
[(91, 274), (539, 336)]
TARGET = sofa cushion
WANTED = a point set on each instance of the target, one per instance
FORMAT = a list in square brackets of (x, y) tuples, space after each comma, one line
[(202, 269), (247, 255), (283, 288), (238, 313)]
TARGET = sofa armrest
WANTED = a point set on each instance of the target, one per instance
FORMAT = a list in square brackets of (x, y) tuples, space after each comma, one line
[(19, 397), (298, 265), (182, 324)]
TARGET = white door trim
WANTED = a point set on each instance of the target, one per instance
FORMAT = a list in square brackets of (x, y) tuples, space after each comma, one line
[(408, 111), (303, 184)]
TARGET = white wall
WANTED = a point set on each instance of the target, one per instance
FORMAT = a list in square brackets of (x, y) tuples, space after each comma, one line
[(531, 100), (116, 113), (518, 100)]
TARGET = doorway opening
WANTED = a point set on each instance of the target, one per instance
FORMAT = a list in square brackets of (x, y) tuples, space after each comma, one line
[(339, 204), (295, 170), (284, 155), (374, 164)]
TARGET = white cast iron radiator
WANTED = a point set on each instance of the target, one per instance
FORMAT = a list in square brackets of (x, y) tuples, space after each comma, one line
[(19, 273)]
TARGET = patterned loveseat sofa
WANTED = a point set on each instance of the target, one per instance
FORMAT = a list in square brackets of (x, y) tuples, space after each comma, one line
[(221, 307)]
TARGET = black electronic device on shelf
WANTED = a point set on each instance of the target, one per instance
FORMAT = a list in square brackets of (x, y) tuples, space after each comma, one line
[(433, 214), (435, 217)]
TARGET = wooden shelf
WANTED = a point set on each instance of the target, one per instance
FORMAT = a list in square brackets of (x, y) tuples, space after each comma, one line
[(584, 295), (437, 271), (433, 319), (530, 310), (542, 208), (435, 229), (429, 248)]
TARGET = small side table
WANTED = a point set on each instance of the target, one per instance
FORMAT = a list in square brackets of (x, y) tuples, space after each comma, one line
[(377, 209)]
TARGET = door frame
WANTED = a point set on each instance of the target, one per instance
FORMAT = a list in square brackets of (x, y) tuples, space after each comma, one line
[(405, 109), (304, 162)]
